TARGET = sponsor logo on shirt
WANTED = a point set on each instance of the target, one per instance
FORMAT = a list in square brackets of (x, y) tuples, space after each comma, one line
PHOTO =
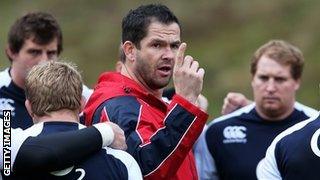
[(235, 134), (7, 104), (314, 143)]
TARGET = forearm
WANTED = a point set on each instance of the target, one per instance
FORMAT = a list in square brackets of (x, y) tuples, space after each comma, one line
[(170, 145), (159, 142), (58, 151)]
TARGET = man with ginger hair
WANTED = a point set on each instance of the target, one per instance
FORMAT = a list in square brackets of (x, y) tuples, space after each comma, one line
[(234, 143)]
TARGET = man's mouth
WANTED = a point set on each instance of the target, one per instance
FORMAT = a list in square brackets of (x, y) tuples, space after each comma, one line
[(271, 99), (164, 70)]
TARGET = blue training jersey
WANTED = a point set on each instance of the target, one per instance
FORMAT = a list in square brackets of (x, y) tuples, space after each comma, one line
[(13, 97), (233, 144), (106, 164), (294, 154), (17, 138)]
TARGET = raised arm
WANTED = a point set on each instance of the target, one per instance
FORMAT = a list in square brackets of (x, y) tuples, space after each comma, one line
[(234, 101), (158, 150)]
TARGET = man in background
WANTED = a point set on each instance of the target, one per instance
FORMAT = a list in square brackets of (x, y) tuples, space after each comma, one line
[(33, 38), (234, 144)]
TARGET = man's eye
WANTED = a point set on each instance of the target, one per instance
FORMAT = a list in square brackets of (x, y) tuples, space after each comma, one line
[(34, 52), (52, 54), (156, 45), (175, 46), (264, 78), (280, 79)]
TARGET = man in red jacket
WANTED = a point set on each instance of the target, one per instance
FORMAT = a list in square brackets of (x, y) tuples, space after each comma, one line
[(159, 136)]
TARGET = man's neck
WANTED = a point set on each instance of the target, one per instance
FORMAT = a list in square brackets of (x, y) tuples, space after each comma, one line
[(274, 118), (63, 115), (16, 78), (126, 72)]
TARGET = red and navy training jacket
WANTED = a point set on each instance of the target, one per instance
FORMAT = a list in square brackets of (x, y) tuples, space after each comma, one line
[(159, 136)]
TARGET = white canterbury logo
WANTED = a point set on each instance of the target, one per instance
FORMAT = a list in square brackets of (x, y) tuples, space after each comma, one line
[(314, 143), (235, 134), (7, 104)]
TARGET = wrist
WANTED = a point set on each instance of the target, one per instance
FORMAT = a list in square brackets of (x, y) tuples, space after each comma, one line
[(106, 132), (191, 99)]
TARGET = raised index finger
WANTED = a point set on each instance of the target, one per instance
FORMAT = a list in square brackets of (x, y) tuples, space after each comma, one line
[(180, 54)]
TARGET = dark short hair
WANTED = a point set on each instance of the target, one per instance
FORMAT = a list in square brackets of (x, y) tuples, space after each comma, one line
[(41, 26), (136, 22), (283, 53)]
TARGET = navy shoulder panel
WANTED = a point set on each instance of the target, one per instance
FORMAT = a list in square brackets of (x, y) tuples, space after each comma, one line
[(126, 107)]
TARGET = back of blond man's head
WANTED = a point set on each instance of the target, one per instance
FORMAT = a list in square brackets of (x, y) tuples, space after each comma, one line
[(54, 86)]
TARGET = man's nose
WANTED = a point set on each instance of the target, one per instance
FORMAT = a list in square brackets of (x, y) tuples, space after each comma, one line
[(44, 57), (169, 54), (271, 86)]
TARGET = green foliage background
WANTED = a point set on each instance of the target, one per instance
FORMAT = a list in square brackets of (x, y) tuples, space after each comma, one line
[(221, 34)]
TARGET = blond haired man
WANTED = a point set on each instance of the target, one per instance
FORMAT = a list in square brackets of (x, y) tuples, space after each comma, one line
[(54, 100)]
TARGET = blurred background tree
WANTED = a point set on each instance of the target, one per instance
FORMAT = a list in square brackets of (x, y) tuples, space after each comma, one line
[(221, 34)]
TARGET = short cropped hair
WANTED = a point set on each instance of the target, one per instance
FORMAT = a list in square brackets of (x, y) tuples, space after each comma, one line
[(283, 53), (53, 86), (41, 26), (137, 21)]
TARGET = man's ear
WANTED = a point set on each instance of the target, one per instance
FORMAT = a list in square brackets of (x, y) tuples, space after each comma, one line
[(252, 83), (9, 53), (29, 108), (297, 85), (129, 50)]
